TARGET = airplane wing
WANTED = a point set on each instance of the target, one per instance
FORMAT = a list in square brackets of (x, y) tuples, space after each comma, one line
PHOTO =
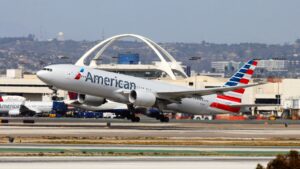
[(201, 92), (109, 105), (253, 105)]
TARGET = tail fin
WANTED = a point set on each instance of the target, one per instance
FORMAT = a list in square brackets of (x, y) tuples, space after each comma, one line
[(244, 75), (241, 77)]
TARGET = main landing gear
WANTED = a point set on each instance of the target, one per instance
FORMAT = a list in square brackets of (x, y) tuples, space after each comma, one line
[(163, 118), (159, 115), (135, 119), (132, 115)]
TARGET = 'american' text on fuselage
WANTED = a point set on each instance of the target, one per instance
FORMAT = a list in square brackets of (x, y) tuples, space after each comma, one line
[(107, 81)]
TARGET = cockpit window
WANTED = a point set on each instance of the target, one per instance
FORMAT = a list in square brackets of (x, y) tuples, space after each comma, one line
[(47, 69)]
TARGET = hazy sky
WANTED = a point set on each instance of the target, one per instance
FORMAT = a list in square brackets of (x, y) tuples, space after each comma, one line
[(220, 21)]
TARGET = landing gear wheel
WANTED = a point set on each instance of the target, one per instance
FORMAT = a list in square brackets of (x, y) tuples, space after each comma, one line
[(131, 115), (164, 119), (135, 119)]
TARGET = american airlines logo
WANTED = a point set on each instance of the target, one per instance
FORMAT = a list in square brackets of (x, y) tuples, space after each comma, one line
[(79, 74), (107, 81)]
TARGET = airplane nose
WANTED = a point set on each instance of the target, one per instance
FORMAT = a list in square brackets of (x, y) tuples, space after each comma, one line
[(39, 74), (42, 75)]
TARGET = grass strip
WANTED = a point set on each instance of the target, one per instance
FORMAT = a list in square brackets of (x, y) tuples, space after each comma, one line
[(130, 152)]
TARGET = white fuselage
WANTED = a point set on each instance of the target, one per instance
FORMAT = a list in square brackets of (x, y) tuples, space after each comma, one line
[(38, 107), (111, 85)]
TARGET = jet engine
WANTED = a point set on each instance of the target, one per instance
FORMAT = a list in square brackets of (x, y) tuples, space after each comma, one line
[(91, 100), (142, 99)]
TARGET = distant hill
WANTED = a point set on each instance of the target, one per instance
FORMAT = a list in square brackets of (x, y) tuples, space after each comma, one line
[(32, 55)]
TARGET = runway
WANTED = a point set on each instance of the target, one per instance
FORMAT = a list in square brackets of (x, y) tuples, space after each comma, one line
[(132, 162), (208, 151), (152, 147), (144, 119), (141, 150), (153, 131)]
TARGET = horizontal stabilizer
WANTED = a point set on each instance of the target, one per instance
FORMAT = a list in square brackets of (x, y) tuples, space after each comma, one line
[(253, 105), (201, 92)]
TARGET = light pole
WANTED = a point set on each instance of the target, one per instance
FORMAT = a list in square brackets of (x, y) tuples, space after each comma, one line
[(115, 61), (195, 59)]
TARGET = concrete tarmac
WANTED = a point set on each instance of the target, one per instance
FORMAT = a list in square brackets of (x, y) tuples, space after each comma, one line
[(150, 131), (132, 162), (175, 130), (153, 147)]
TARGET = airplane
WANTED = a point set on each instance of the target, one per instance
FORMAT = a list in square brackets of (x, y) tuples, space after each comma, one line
[(30, 108), (142, 93)]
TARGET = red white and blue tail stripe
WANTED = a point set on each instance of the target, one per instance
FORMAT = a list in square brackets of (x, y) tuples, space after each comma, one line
[(242, 77)]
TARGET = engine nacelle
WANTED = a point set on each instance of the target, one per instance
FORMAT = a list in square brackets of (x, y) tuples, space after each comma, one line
[(91, 100), (141, 98)]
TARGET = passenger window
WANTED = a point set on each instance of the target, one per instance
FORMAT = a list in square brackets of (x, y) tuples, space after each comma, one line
[(47, 69)]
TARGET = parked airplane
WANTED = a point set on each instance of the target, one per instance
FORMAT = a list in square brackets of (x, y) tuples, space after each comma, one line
[(30, 108), (138, 92)]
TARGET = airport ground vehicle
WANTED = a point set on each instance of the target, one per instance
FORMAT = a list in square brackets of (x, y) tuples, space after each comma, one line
[(203, 117), (88, 114), (109, 115)]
